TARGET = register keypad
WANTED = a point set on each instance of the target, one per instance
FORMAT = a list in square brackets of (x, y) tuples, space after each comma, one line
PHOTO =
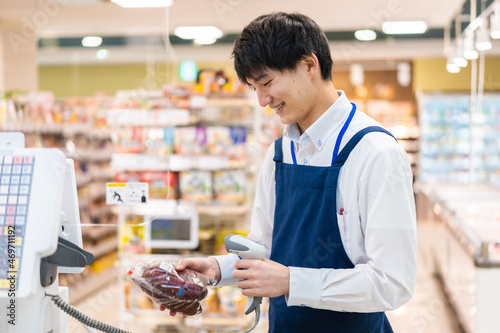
[(16, 173)]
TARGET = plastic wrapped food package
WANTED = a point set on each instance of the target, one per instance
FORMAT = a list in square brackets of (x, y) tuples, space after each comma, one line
[(179, 291)]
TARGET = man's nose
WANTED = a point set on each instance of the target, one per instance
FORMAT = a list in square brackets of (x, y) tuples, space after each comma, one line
[(264, 99)]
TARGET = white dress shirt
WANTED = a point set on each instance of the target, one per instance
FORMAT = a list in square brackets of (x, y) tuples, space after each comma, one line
[(377, 224)]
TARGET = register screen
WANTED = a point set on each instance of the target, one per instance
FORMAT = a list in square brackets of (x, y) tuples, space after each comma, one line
[(170, 229)]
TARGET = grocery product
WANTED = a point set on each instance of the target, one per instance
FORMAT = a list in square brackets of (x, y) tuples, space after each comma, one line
[(178, 291)]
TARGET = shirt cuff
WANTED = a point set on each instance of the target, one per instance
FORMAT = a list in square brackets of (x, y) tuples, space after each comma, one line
[(226, 265), (305, 287)]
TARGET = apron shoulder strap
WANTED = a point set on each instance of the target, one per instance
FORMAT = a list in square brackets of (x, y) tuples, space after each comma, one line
[(278, 150), (344, 154)]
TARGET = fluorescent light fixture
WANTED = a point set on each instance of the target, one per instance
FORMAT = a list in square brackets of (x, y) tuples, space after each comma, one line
[(102, 54), (91, 41), (470, 52), (475, 24), (483, 41), (198, 32), (404, 27), (365, 35), (458, 54), (451, 67), (495, 23), (143, 3), (205, 41)]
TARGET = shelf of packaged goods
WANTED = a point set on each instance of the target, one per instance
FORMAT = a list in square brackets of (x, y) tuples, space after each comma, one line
[(176, 162), (230, 102), (91, 283), (47, 128), (102, 174), (95, 156), (83, 179), (171, 206), (103, 247), (98, 231), (221, 209), (148, 117)]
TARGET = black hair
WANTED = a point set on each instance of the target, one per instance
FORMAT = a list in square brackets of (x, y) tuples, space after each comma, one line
[(278, 41)]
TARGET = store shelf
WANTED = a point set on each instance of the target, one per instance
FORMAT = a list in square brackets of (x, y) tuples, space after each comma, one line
[(175, 162), (223, 210), (92, 283), (105, 246), (98, 231), (145, 118)]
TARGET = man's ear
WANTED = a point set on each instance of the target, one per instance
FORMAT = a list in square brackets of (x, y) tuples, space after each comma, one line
[(312, 65)]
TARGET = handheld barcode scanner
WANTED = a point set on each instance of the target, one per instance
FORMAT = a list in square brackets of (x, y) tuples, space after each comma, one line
[(247, 248)]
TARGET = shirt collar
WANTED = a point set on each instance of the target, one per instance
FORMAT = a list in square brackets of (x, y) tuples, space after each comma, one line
[(328, 123)]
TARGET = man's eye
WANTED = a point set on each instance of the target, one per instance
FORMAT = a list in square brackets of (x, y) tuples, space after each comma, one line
[(267, 83)]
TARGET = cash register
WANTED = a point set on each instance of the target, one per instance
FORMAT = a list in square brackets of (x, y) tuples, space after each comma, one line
[(40, 236)]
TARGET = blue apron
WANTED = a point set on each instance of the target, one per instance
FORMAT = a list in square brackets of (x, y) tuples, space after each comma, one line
[(306, 234)]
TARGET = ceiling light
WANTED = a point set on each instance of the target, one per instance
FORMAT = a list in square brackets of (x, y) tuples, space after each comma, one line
[(143, 3), (365, 35), (451, 67), (404, 27), (458, 54), (201, 32), (470, 52), (205, 41), (91, 41), (483, 41), (102, 54), (495, 22)]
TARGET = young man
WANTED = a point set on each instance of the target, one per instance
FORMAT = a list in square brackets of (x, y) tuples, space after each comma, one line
[(334, 202)]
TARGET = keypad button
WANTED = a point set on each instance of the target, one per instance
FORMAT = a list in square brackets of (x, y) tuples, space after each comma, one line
[(22, 200), (9, 219), (18, 159), (21, 210), (20, 220), (7, 159), (11, 210), (4, 189), (12, 200), (3, 199), (25, 179), (3, 210), (24, 189), (27, 169), (28, 160), (15, 179), (7, 169), (2, 219), (14, 189), (5, 180), (16, 169)]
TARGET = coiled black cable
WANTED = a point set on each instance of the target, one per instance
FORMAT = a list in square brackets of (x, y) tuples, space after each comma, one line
[(73, 312)]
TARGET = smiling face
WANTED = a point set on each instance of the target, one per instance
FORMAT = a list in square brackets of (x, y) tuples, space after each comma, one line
[(292, 94)]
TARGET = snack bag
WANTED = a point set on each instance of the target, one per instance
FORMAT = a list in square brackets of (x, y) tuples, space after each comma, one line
[(181, 292)]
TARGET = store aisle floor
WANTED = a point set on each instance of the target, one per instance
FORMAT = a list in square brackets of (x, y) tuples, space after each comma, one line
[(428, 311)]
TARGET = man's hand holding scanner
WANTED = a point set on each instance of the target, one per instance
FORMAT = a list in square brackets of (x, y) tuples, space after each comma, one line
[(262, 278)]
